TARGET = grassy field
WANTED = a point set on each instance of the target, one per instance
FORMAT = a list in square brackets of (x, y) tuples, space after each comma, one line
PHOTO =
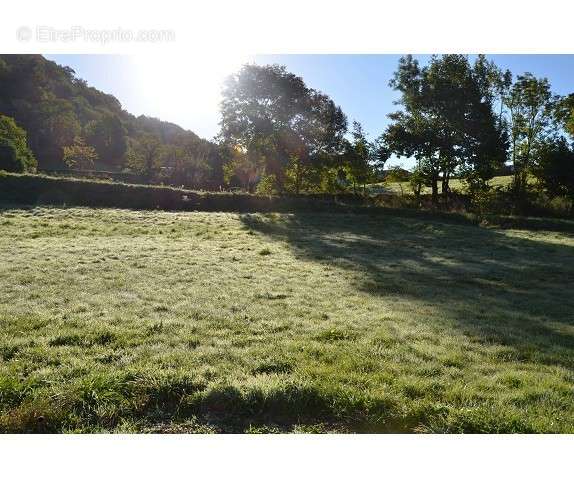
[(150, 321), (455, 184)]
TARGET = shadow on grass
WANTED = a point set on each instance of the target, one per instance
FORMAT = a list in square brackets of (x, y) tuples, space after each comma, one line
[(497, 288), (99, 401)]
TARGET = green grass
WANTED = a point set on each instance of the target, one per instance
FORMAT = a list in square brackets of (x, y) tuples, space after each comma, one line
[(455, 184), (150, 321)]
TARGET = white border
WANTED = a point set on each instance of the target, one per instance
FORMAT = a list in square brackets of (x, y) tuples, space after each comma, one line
[(304, 26), (286, 460), (294, 26)]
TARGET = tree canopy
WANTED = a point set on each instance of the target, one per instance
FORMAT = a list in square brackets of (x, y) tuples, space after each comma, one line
[(271, 116), (448, 121)]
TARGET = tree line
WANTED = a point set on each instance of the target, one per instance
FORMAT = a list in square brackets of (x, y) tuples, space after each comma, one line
[(455, 118)]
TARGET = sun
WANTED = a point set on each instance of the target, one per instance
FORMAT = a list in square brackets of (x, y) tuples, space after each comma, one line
[(181, 86)]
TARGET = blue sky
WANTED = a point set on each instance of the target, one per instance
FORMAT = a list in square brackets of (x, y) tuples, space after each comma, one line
[(185, 90)]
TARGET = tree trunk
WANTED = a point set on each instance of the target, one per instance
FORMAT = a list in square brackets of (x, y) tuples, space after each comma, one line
[(434, 186), (445, 187), (298, 178), (418, 190)]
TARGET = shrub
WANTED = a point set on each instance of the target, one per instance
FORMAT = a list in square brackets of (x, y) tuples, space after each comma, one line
[(15, 155), (555, 169), (36, 189)]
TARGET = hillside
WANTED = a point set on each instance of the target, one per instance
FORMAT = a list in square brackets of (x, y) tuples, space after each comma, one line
[(54, 106)]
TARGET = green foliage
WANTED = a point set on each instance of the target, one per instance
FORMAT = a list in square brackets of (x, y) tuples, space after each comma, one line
[(555, 168), (15, 155), (564, 113), (108, 136), (31, 189), (274, 119), (302, 177), (267, 185), (530, 106), (186, 164), (244, 169), (417, 180), (79, 155), (145, 156), (357, 157), (54, 107), (448, 121)]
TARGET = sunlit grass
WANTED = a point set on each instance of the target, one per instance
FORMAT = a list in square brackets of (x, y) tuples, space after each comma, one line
[(455, 184), (130, 321)]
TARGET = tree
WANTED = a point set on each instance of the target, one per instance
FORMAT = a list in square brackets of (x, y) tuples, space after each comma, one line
[(413, 131), (244, 169), (398, 175), (54, 106), (292, 129), (380, 153), (145, 156), (531, 108), (447, 119), (564, 114), (186, 163), (358, 155), (554, 169), (417, 130), (485, 139), (15, 155), (79, 155), (109, 138), (417, 180)]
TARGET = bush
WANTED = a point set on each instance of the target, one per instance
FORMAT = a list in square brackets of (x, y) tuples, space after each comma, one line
[(267, 185), (36, 189), (15, 155), (9, 157), (555, 169)]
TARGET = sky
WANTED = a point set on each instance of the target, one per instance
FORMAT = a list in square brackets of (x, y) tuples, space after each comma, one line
[(186, 91)]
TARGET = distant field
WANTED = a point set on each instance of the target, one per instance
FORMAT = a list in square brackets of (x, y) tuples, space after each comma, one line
[(455, 184), (150, 321)]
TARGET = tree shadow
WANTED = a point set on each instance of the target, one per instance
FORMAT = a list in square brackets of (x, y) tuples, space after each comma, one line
[(498, 288)]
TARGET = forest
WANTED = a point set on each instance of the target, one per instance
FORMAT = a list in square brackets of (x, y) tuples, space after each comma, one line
[(460, 121)]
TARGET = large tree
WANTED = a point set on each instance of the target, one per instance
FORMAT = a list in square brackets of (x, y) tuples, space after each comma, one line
[(531, 108), (448, 120), (292, 129)]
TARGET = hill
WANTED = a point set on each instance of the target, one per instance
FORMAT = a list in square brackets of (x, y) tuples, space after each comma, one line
[(54, 106)]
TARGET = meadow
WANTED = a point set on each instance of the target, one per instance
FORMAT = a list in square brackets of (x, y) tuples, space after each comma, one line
[(151, 321), (456, 184)]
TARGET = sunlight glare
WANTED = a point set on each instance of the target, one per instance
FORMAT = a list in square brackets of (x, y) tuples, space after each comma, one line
[(182, 89)]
